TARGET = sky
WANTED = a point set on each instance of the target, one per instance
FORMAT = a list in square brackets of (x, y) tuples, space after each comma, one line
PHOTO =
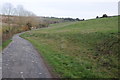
[(68, 8)]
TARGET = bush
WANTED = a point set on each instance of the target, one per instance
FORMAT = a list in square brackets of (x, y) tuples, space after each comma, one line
[(104, 15), (97, 17), (29, 25)]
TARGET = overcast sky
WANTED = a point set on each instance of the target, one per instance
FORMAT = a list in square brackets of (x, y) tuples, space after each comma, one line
[(68, 8)]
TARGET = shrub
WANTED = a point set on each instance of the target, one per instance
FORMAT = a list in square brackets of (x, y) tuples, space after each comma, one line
[(104, 15), (97, 17)]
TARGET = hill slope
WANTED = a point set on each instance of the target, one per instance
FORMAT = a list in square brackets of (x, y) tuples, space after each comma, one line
[(86, 49)]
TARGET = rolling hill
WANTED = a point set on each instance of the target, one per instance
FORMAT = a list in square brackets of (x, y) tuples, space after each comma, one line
[(81, 49)]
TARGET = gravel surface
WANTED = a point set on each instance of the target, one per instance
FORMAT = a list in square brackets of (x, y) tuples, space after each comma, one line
[(21, 60)]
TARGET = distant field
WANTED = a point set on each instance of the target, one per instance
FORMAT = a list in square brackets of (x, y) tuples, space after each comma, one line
[(85, 49)]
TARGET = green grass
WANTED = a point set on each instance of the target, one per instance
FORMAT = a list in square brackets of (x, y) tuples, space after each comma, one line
[(0, 48), (6, 43), (86, 49)]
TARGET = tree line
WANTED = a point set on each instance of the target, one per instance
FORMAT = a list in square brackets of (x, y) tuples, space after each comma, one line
[(17, 19)]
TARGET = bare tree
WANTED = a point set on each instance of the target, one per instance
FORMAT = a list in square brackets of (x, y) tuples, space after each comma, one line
[(14, 12), (7, 9), (21, 14), (21, 11)]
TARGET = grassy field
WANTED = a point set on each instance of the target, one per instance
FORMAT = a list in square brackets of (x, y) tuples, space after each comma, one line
[(86, 49)]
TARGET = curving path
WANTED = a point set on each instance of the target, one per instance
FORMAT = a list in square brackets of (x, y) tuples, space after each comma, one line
[(21, 60)]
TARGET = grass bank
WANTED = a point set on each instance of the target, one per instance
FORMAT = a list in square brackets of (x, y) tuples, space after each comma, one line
[(5, 44), (86, 49)]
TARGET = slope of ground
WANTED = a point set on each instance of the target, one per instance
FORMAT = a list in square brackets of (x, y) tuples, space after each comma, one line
[(85, 49)]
